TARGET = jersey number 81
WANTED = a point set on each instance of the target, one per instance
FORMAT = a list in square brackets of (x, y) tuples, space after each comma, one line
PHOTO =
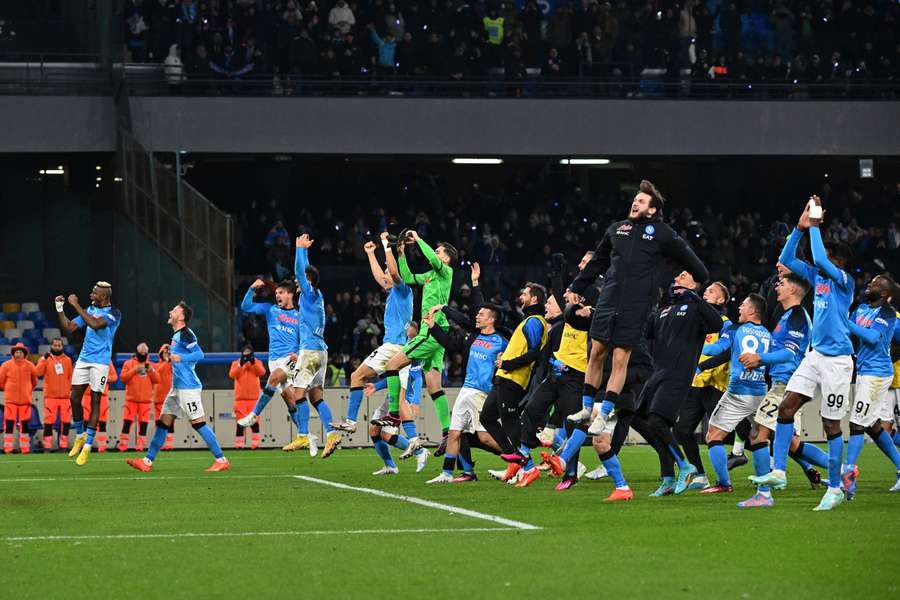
[(751, 343)]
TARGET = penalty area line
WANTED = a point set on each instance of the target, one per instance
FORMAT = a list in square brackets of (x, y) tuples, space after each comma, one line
[(421, 502), (239, 534)]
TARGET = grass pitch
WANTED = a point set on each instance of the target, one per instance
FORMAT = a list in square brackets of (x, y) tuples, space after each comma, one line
[(258, 531)]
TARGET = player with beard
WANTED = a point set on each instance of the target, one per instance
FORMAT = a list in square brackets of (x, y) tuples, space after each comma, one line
[(629, 253)]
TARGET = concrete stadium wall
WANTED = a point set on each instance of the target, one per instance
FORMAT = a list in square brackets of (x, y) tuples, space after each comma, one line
[(57, 124), (517, 126), (475, 126), (277, 428)]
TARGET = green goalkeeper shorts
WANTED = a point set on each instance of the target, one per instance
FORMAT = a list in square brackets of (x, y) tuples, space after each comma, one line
[(425, 350)]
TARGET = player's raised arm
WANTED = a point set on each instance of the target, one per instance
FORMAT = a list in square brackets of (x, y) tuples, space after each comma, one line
[(377, 273), (676, 248), (820, 255), (393, 269), (598, 265), (408, 277), (427, 252), (249, 306), (301, 261)]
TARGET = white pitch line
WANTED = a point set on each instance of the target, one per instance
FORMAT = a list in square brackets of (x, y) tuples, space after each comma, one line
[(237, 456), (226, 534), (422, 502), (141, 478)]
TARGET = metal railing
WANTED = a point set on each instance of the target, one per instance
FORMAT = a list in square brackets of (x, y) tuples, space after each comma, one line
[(52, 73), (150, 83), (185, 225)]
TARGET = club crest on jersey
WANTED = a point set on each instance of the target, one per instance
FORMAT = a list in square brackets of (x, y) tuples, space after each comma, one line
[(649, 230), (682, 310), (624, 229)]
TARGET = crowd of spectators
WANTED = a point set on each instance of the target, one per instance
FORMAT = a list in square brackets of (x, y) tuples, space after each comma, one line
[(746, 40), (514, 235)]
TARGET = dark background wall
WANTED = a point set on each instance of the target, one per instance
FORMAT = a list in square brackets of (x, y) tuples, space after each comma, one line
[(456, 126)]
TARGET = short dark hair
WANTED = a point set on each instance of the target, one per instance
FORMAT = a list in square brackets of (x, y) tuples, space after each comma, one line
[(56, 339), (840, 251), (450, 250), (798, 281), (186, 310), (657, 200), (287, 285), (758, 302), (537, 290), (496, 312), (312, 274)]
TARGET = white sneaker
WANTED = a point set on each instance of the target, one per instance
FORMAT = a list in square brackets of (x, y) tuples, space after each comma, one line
[(497, 474), (597, 425), (581, 470), (582, 416), (515, 478), (250, 420), (598, 473), (442, 478), (313, 445), (387, 471), (421, 459), (414, 445), (896, 487)]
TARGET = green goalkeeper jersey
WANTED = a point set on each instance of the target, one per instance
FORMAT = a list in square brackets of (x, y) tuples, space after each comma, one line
[(435, 283)]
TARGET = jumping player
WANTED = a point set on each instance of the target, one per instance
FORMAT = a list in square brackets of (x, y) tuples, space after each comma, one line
[(92, 367), (283, 322), (398, 309), (424, 348), (312, 364), (629, 253)]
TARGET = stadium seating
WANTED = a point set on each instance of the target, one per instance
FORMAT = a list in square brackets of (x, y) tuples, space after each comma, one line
[(30, 307), (51, 332), (13, 333), (11, 307), (7, 325), (43, 349), (25, 324), (5, 349)]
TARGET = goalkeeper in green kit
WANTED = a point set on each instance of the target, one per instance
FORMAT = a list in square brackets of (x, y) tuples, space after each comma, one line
[(423, 348)]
